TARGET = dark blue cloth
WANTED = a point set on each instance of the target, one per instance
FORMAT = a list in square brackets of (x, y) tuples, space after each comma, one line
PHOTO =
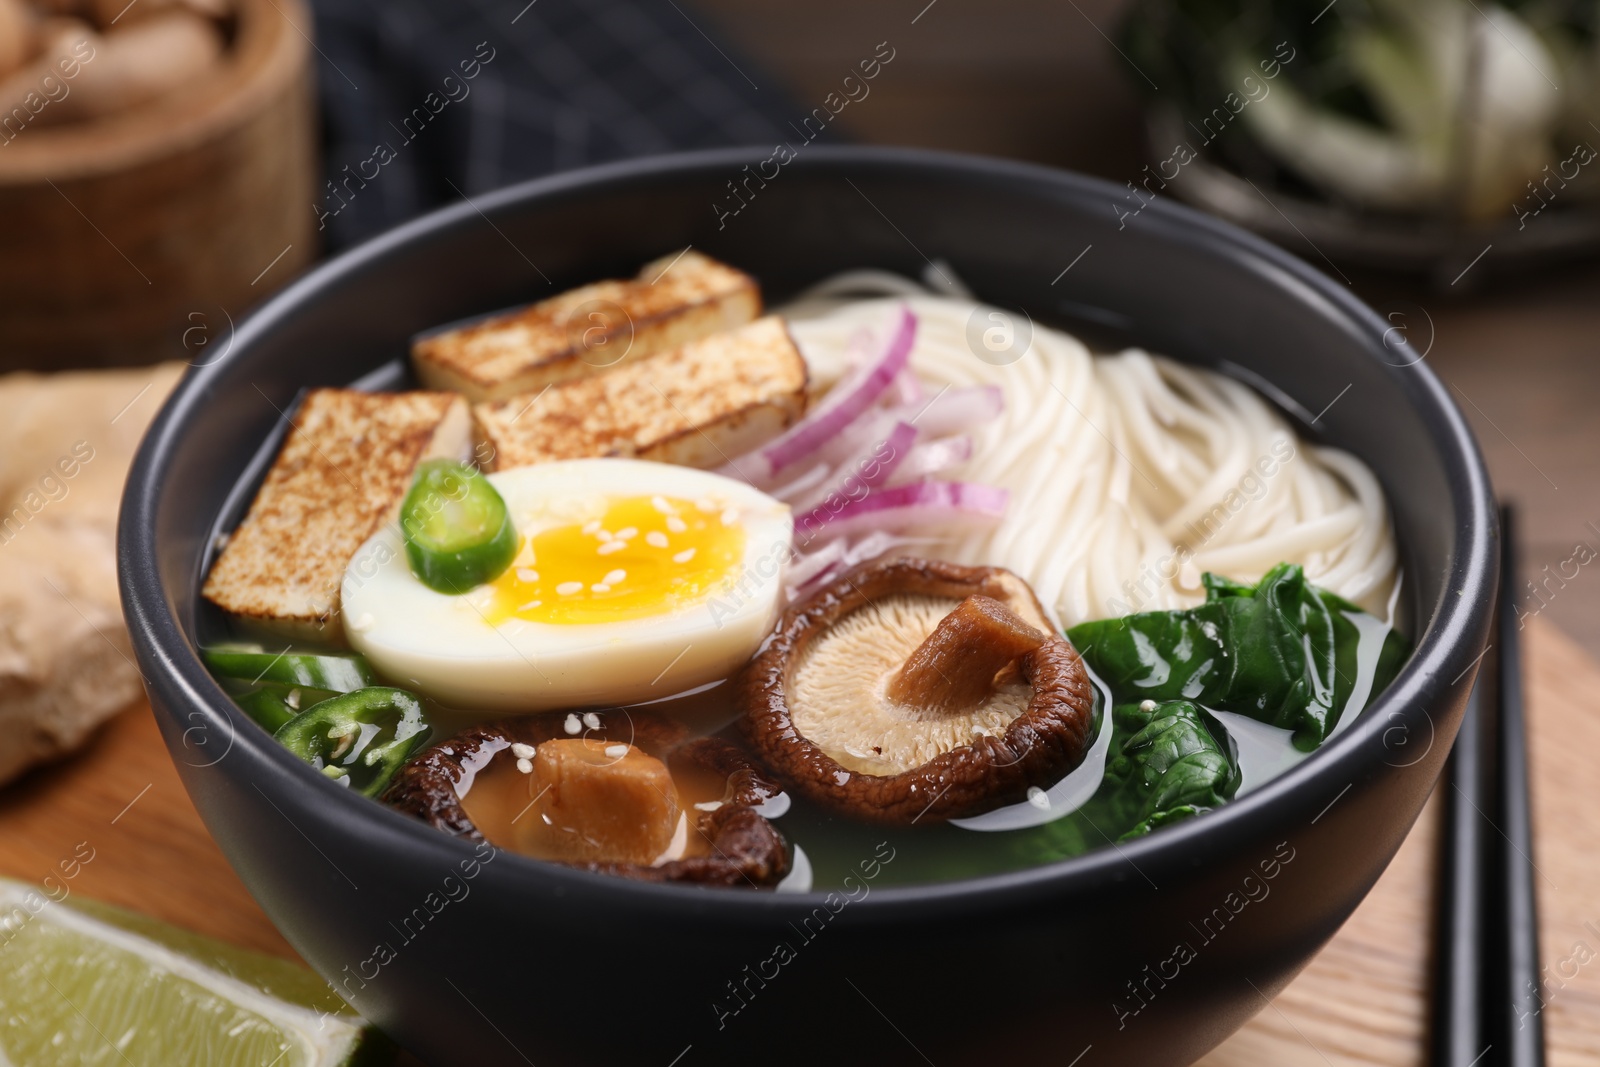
[(426, 101)]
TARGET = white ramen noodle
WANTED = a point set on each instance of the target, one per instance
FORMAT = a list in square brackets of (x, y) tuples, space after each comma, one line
[(1129, 474)]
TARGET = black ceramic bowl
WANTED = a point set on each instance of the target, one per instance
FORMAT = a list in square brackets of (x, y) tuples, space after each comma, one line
[(1147, 954)]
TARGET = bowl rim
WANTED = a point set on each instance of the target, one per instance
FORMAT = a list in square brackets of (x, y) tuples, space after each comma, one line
[(1444, 652)]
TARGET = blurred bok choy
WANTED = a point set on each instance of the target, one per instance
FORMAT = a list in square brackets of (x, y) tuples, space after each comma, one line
[(1465, 108)]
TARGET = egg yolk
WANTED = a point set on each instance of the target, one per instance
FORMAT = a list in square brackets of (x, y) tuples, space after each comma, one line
[(646, 555)]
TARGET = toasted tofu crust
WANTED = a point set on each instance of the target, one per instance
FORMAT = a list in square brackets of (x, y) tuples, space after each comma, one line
[(674, 300), (341, 474), (698, 405)]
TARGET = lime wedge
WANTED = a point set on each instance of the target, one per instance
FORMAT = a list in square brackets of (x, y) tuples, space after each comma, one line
[(86, 984)]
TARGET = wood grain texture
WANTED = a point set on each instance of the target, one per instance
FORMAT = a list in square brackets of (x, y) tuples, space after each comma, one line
[(1362, 1001), (123, 234)]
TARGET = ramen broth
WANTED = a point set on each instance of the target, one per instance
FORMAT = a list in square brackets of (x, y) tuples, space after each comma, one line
[(830, 847)]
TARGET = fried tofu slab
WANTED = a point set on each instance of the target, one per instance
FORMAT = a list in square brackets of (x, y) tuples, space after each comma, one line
[(697, 405), (341, 474), (590, 329)]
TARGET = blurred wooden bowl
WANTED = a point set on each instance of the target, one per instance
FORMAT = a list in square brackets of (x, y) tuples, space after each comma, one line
[(140, 236)]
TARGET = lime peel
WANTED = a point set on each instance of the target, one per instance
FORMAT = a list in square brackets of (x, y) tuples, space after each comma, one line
[(131, 990)]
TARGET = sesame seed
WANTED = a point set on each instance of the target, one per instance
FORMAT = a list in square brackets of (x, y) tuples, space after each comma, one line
[(730, 516), (572, 725), (614, 577), (616, 751), (627, 533), (569, 588), (525, 765), (591, 526), (656, 539), (684, 557), (605, 535), (1147, 706), (527, 574), (661, 505), (591, 720), (530, 605), (522, 751), (612, 546), (676, 525), (705, 503), (708, 805), (599, 587)]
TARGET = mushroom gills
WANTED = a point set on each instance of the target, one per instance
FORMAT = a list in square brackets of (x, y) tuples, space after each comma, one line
[(869, 692)]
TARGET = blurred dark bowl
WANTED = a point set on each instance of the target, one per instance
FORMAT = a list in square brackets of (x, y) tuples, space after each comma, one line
[(542, 964), (1438, 248)]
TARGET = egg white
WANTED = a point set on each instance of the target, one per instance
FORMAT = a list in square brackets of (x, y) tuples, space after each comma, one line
[(445, 647)]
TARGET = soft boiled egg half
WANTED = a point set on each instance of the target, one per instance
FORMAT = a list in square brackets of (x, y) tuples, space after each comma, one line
[(634, 580)]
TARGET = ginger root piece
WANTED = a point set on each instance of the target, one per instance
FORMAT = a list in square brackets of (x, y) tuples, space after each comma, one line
[(65, 444)]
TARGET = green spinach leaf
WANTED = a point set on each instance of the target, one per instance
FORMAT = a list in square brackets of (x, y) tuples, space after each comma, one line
[(1167, 760), (1281, 651)]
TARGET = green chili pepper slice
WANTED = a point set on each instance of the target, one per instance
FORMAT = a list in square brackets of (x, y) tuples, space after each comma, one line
[(361, 738), (337, 674), (273, 705), (267, 707), (457, 529)]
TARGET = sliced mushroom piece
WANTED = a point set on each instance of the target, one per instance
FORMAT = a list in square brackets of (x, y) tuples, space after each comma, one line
[(613, 805), (913, 690), (599, 803), (956, 668)]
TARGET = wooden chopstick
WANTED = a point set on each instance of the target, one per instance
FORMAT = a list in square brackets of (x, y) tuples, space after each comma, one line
[(1513, 922)]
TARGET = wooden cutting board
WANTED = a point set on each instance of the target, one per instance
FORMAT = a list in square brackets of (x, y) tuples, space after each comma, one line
[(1362, 1001)]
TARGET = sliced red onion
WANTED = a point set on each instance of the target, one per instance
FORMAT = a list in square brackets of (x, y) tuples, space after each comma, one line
[(859, 436), (838, 556), (931, 505), (844, 403), (959, 408), (808, 568), (803, 485), (931, 457), (878, 543), (908, 391), (870, 466)]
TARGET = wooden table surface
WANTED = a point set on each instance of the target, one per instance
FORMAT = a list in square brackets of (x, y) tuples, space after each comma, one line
[(1361, 1002)]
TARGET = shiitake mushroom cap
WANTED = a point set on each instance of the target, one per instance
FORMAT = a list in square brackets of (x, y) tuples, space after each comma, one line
[(1040, 745), (746, 848)]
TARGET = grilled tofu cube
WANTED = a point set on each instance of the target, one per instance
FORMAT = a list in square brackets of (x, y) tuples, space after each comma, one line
[(698, 405), (674, 300), (341, 474)]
